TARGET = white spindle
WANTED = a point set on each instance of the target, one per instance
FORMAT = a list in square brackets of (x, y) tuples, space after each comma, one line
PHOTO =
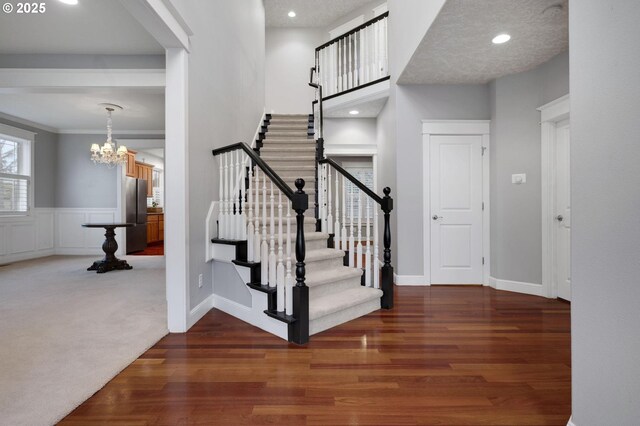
[(280, 279), (242, 219), (361, 58), (256, 220), (350, 63), (227, 191), (376, 50), (272, 242), (367, 256), (359, 241), (352, 247), (264, 247), (329, 214), (221, 197), (250, 225), (343, 231), (336, 226), (289, 278), (375, 268)]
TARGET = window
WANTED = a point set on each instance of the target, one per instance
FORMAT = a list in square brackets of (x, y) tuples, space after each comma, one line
[(364, 173), (15, 173)]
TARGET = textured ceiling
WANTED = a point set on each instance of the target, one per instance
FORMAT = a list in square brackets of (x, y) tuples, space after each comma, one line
[(143, 109), (458, 48), (90, 27), (309, 13)]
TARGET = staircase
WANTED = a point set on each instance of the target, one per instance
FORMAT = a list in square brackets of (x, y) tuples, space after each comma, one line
[(336, 293)]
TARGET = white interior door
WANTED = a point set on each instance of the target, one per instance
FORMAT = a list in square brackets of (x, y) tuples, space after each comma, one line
[(456, 209), (563, 212)]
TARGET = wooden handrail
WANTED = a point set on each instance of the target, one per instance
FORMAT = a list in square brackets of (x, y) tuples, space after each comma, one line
[(353, 31)]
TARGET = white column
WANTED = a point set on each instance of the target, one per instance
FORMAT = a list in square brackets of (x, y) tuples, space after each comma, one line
[(289, 279)]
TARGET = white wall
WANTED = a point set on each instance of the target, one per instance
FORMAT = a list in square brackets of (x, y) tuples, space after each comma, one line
[(225, 104), (516, 210), (290, 53), (605, 258), (350, 131)]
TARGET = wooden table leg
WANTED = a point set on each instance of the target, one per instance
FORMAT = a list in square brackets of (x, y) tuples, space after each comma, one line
[(110, 261)]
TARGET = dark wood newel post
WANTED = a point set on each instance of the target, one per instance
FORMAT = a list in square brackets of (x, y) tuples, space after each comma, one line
[(319, 156), (299, 330), (387, 269)]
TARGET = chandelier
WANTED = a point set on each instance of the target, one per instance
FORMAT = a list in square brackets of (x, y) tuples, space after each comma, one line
[(109, 153)]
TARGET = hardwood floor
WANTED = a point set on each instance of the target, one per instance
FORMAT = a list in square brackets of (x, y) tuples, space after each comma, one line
[(443, 356)]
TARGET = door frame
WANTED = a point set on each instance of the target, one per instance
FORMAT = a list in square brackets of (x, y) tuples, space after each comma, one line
[(550, 115), (454, 128)]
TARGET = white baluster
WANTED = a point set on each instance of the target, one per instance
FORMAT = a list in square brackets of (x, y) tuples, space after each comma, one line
[(225, 230), (242, 220), (336, 226), (289, 278), (359, 241), (264, 247), (343, 231), (375, 265), (344, 64), (233, 176), (329, 215), (250, 226), (352, 247), (376, 50), (280, 283), (367, 256), (256, 220), (221, 198), (385, 51), (324, 198), (350, 64), (272, 242), (361, 58)]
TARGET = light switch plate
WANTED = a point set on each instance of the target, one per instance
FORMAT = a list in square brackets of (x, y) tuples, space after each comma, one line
[(519, 178), (200, 281)]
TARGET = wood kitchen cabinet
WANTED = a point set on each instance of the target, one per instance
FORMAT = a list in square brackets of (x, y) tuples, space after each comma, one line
[(131, 163), (145, 171), (155, 228)]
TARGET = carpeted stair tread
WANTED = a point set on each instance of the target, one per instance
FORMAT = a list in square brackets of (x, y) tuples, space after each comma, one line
[(323, 254), (288, 150), (340, 301), (319, 278)]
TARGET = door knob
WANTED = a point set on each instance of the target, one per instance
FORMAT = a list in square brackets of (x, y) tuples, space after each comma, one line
[(436, 217), (559, 218)]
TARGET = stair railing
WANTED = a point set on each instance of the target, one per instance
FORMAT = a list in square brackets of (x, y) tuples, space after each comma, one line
[(362, 251), (256, 191), (355, 59)]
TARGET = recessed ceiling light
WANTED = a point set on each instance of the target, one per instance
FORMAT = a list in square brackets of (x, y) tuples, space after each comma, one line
[(354, 112), (71, 2), (291, 14), (501, 38)]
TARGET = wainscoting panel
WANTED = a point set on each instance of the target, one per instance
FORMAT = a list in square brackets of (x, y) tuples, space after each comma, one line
[(27, 237), (72, 238)]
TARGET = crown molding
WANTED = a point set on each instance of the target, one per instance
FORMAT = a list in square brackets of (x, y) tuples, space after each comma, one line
[(115, 133), (28, 123)]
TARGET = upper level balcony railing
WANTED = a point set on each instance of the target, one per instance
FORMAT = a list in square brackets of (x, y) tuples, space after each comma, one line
[(355, 59)]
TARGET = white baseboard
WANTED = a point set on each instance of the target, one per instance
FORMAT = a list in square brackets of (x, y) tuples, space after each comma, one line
[(517, 286), (199, 311), (417, 280), (570, 422)]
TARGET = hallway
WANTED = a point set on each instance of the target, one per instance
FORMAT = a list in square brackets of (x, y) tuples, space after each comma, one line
[(444, 355)]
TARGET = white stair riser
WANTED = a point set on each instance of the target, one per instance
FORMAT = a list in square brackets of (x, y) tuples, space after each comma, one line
[(332, 287), (323, 265)]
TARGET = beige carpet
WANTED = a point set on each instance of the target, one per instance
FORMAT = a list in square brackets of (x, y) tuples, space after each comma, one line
[(65, 332)]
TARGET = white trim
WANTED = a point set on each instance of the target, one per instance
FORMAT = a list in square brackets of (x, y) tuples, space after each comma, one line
[(517, 286), (351, 149), (29, 123), (457, 127), (379, 10), (570, 422), (253, 315), (201, 310), (32, 80), (357, 97), (176, 191), (551, 113), (17, 132), (162, 20), (115, 133), (259, 128), (412, 280)]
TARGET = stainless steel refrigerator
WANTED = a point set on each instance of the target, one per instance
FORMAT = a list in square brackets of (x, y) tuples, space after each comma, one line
[(136, 213)]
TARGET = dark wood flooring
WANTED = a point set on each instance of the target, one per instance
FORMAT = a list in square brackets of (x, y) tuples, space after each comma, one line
[(443, 356)]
